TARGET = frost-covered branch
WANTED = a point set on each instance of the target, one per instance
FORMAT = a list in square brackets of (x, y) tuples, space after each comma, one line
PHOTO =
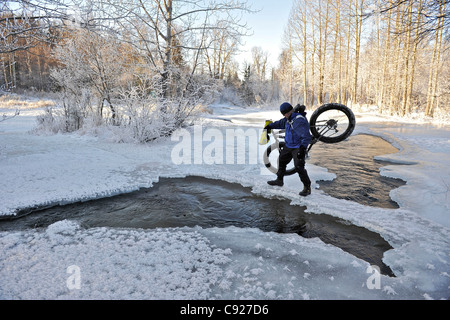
[(6, 117)]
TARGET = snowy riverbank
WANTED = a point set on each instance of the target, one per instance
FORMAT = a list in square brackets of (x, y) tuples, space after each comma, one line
[(66, 261)]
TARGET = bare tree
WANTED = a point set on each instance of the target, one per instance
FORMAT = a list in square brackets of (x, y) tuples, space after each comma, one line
[(26, 23), (383, 64), (386, 57), (416, 40), (259, 62), (223, 46), (430, 19), (161, 27), (406, 55), (359, 9), (91, 70), (29, 28), (433, 79)]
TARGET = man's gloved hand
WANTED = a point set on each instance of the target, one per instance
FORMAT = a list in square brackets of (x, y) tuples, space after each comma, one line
[(267, 124), (301, 152), (265, 134)]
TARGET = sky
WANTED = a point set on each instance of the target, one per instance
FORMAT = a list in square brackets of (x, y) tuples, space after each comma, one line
[(267, 28)]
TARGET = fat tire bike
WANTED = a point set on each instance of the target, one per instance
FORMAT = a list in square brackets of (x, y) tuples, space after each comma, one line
[(330, 123)]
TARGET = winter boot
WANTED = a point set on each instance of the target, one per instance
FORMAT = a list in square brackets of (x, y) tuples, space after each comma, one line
[(306, 191), (277, 182)]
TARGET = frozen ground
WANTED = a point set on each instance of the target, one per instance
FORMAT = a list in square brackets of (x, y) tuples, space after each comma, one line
[(65, 261)]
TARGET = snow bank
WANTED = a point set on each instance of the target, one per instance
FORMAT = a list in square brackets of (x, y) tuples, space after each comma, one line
[(185, 263), (110, 264)]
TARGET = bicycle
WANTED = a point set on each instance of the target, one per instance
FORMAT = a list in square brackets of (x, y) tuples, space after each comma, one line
[(330, 123)]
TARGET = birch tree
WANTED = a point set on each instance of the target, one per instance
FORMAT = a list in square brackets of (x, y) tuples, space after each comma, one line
[(386, 57), (359, 9), (416, 40), (423, 21), (434, 70), (405, 107)]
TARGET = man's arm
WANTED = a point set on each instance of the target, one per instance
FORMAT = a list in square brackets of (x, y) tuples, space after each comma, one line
[(280, 124)]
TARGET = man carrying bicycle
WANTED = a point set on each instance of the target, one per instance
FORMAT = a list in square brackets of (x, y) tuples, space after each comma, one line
[(297, 138)]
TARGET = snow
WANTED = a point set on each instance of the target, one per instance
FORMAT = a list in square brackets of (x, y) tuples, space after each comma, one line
[(66, 261)]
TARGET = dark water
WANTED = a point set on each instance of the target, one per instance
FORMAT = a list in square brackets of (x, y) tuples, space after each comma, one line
[(357, 173), (197, 201)]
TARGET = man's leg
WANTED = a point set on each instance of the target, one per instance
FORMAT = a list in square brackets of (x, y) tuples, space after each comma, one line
[(299, 161), (283, 160)]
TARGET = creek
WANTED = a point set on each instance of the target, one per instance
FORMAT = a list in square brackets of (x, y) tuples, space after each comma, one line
[(197, 201)]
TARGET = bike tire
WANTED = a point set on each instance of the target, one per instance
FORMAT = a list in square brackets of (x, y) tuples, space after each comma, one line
[(324, 123), (269, 165)]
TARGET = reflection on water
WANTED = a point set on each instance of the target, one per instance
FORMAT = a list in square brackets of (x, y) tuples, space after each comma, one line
[(196, 201), (357, 173)]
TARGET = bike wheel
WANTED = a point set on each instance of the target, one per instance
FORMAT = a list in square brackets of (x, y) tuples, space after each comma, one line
[(271, 156), (332, 123)]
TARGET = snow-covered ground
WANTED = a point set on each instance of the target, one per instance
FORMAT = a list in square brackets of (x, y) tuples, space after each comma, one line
[(65, 261)]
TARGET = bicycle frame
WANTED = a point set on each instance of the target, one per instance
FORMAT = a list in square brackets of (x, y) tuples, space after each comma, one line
[(279, 135)]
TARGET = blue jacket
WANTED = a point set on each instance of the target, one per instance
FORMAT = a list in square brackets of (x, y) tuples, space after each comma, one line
[(297, 130)]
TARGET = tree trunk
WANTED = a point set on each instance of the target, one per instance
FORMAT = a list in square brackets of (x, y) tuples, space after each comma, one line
[(339, 35), (168, 50), (394, 76), (358, 21), (305, 64), (347, 71), (323, 51), (385, 61), (432, 84), (414, 57), (406, 54)]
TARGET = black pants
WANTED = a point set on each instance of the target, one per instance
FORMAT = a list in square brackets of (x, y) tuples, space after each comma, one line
[(286, 155)]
